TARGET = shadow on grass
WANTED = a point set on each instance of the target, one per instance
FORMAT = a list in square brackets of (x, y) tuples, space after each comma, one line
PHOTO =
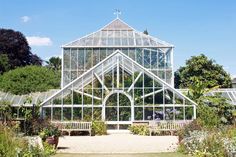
[(63, 148)]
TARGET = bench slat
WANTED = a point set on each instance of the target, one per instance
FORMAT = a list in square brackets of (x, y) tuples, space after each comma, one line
[(74, 126)]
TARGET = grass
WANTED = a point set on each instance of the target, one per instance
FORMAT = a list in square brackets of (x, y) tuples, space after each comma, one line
[(122, 155)]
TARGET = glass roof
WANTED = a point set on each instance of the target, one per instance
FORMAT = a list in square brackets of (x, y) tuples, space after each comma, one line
[(229, 93), (18, 100), (118, 34)]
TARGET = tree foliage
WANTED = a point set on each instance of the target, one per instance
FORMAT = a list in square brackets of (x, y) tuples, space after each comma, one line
[(29, 79), (14, 45), (206, 70), (54, 63), (145, 32), (211, 110), (4, 66)]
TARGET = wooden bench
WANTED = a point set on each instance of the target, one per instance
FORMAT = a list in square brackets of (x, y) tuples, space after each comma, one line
[(170, 126), (69, 126)]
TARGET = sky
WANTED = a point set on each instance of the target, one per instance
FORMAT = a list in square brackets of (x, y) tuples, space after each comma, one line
[(192, 26)]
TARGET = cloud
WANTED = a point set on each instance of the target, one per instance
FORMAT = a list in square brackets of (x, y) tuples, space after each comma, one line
[(39, 41), (25, 19)]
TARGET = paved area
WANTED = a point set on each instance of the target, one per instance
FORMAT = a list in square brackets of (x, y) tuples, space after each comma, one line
[(117, 143)]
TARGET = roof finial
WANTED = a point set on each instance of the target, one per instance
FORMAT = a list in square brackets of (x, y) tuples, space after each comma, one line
[(117, 13)]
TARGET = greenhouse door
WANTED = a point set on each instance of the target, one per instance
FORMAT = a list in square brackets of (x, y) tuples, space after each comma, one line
[(118, 111)]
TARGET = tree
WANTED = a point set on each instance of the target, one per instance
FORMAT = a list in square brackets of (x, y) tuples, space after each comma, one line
[(4, 66), (206, 70), (29, 79), (54, 63), (15, 46), (211, 110), (145, 32)]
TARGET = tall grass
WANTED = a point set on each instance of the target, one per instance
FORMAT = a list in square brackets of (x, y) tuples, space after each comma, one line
[(10, 145)]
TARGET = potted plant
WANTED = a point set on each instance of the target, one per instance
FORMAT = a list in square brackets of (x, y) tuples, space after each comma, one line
[(51, 135)]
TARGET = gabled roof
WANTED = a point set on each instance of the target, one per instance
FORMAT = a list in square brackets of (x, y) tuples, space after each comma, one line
[(117, 34), (115, 59), (117, 24)]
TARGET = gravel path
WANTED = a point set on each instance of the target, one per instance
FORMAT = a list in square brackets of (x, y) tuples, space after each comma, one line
[(117, 143)]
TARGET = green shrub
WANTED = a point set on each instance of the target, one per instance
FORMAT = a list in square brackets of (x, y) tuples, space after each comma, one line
[(213, 143), (185, 131), (48, 149), (49, 131), (99, 128), (207, 116), (9, 144), (12, 146), (29, 79), (141, 129)]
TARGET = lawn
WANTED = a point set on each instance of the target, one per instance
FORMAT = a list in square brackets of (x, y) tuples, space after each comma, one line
[(122, 155)]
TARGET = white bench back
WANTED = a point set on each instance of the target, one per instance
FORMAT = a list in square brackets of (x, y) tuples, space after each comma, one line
[(73, 125)]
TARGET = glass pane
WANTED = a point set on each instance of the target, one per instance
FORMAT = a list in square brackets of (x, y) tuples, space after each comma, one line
[(47, 113), (73, 75), (87, 99), (148, 113), (77, 98), (127, 80), (57, 113), (66, 58), (132, 53), (124, 114), (102, 54), (81, 59), (97, 113), (88, 59), (125, 51), (138, 113), (153, 59), (169, 113), (109, 51), (66, 113), (158, 114), (146, 58), (111, 113), (189, 113), (161, 60), (77, 113), (124, 100), (96, 56), (87, 114), (74, 59), (139, 56), (112, 100), (179, 114)]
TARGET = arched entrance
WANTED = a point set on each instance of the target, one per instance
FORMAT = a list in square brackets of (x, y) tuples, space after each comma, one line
[(118, 110)]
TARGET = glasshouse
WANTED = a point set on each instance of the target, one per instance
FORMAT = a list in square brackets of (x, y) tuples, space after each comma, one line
[(120, 76)]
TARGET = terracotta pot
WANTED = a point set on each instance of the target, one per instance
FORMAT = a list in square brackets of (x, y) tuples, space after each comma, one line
[(52, 140)]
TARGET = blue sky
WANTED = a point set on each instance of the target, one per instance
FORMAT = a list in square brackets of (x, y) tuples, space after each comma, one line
[(193, 26)]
